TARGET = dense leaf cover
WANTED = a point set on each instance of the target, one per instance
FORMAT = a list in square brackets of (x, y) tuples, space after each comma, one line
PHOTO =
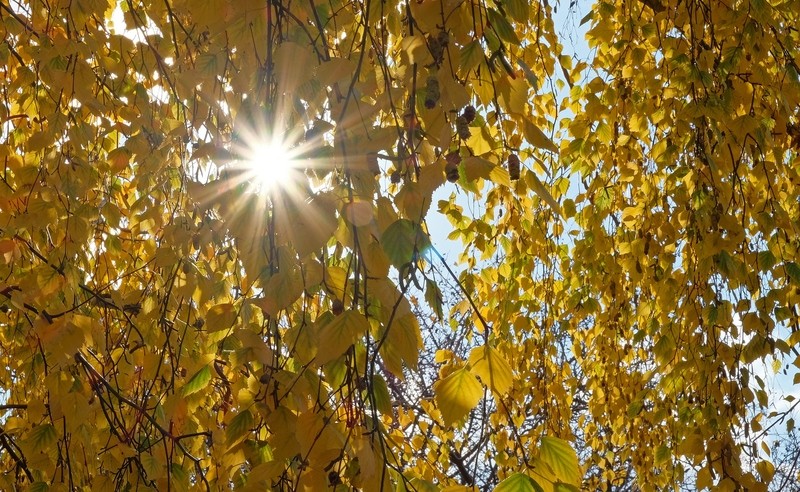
[(630, 221)]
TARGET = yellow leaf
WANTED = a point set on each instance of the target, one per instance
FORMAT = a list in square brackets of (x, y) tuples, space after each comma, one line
[(488, 364), (256, 345), (334, 70), (305, 224), (518, 482), (375, 260), (339, 334), (220, 317), (295, 62), (281, 291), (704, 479), (359, 213), (7, 250), (413, 202), (456, 395), (766, 470), (562, 459), (119, 159), (402, 344), (538, 187), (537, 137), (415, 48)]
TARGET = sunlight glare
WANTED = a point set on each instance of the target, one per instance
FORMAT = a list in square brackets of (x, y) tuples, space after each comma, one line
[(270, 164)]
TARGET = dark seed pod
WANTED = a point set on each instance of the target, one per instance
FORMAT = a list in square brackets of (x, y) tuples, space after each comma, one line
[(453, 158), (443, 38), (462, 128), (513, 166), (337, 307), (334, 479), (395, 177), (469, 113), (451, 170), (432, 93), (437, 49)]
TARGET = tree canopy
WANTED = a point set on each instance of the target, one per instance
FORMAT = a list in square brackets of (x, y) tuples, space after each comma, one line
[(175, 316)]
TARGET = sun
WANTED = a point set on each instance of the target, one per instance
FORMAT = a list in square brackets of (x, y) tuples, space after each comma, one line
[(270, 165)]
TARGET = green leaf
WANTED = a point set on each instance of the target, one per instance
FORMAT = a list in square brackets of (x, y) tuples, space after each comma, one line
[(561, 458), (38, 487), (433, 296), (240, 425), (456, 395), (519, 10), (471, 56), (518, 482), (402, 241), (663, 453), (565, 487), (339, 334), (502, 27), (726, 263), (153, 465), (793, 269), (207, 64), (766, 260), (380, 394), (197, 382), (41, 437), (488, 364)]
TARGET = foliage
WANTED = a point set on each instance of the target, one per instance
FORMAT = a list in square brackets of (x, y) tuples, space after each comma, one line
[(629, 220)]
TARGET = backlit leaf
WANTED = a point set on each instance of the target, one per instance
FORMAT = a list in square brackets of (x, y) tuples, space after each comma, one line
[(561, 458), (41, 437), (403, 241), (197, 382), (339, 334), (457, 395), (518, 482), (537, 137), (239, 425), (495, 372)]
